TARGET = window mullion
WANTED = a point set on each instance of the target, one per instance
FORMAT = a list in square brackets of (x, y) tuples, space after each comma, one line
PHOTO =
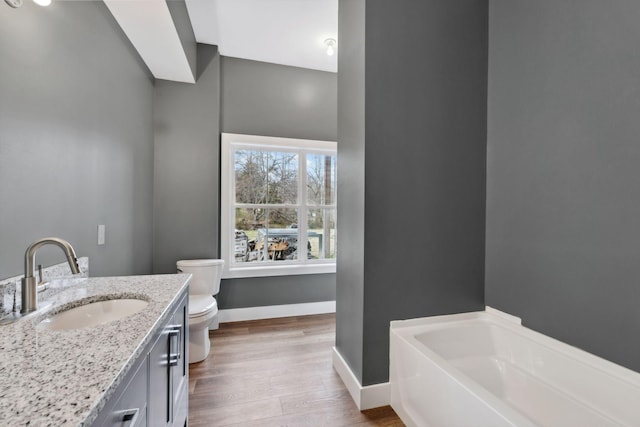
[(231, 225), (302, 210)]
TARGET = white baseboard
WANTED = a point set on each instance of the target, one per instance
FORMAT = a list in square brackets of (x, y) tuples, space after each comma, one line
[(367, 397), (275, 311)]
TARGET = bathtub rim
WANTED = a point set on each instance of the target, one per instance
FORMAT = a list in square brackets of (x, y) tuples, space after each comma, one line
[(407, 330)]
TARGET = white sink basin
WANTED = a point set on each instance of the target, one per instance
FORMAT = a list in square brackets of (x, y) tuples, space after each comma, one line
[(92, 314)]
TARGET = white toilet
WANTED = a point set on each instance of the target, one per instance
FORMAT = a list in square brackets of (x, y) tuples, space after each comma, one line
[(203, 308)]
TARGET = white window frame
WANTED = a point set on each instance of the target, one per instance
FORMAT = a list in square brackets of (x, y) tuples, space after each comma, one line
[(231, 142)]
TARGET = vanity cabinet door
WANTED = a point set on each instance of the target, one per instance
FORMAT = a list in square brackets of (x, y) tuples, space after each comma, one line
[(180, 364), (159, 392), (169, 372)]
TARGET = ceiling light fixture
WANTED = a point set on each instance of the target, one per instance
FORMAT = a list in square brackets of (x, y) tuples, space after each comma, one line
[(14, 3), (331, 46), (17, 3)]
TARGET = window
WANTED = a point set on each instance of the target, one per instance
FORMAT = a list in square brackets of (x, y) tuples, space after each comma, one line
[(278, 213)]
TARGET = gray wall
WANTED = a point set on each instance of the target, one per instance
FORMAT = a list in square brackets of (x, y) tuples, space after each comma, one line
[(276, 100), (563, 188), (424, 167), (76, 145), (264, 291), (187, 166), (351, 202)]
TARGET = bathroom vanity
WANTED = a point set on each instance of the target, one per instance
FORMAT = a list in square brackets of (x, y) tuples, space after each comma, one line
[(131, 371)]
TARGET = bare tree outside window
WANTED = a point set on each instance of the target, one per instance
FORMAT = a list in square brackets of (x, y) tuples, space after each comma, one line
[(269, 179)]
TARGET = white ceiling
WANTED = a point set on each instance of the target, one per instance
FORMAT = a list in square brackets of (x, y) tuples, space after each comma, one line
[(288, 32)]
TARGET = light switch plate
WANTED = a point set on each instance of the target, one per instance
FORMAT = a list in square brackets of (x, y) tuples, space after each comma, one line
[(101, 234)]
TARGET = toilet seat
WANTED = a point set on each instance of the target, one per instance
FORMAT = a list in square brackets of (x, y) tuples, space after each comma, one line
[(201, 305), (199, 262), (201, 322), (202, 310)]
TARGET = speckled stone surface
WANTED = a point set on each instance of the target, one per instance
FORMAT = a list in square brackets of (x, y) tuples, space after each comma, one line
[(64, 378)]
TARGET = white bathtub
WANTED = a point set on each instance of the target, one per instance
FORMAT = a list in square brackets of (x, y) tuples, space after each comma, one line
[(486, 370)]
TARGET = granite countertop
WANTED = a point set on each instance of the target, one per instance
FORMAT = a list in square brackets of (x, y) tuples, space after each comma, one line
[(59, 378)]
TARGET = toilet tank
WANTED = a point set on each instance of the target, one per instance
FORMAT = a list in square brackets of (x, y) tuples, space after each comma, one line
[(206, 275)]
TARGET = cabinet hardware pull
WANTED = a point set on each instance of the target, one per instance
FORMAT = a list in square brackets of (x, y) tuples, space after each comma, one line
[(129, 417), (173, 356), (175, 330), (173, 359)]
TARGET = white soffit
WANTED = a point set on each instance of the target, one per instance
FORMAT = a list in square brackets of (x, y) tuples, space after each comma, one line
[(150, 28), (287, 32)]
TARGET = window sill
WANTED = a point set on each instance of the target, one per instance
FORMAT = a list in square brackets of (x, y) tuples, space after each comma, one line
[(280, 270)]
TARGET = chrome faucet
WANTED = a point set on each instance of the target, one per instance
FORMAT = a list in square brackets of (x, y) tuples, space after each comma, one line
[(29, 283)]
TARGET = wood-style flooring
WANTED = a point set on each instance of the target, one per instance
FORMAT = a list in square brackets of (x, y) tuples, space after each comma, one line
[(275, 372)]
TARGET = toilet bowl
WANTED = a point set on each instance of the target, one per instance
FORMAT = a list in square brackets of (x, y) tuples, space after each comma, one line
[(203, 307)]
